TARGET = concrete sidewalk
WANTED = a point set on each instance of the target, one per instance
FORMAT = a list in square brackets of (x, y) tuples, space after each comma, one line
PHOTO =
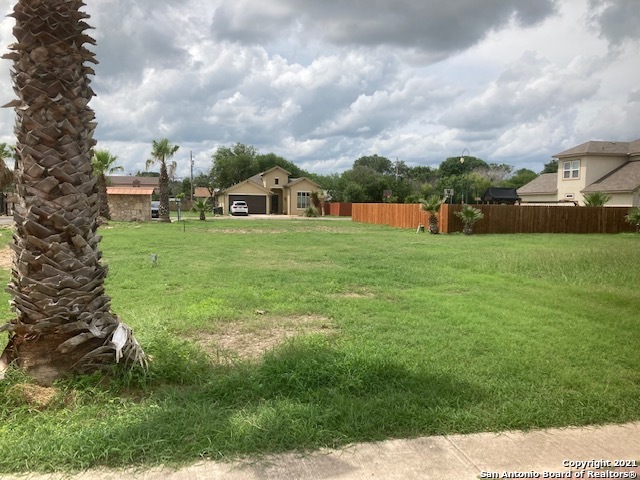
[(536, 454)]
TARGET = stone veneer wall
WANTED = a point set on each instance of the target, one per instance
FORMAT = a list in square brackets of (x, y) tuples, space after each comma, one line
[(127, 208)]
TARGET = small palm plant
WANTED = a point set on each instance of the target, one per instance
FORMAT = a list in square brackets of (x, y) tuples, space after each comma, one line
[(201, 206), (596, 199), (432, 206), (634, 218), (103, 163), (469, 216)]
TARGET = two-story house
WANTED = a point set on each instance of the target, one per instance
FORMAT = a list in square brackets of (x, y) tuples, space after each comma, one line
[(608, 167), (271, 192)]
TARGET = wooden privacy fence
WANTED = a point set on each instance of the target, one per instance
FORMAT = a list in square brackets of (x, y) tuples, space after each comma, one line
[(399, 215), (338, 209), (502, 218)]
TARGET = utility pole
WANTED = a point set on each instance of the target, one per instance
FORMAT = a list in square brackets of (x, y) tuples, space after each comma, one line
[(191, 184)]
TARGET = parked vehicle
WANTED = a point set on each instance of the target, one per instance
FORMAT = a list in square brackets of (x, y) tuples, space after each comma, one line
[(155, 209), (239, 207)]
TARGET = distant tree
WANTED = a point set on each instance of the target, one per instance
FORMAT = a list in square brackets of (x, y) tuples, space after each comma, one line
[(453, 166), (494, 173), (103, 163), (264, 162), (161, 152), (422, 174), (550, 167), (233, 165), (379, 164), (596, 199), (519, 178), (147, 174)]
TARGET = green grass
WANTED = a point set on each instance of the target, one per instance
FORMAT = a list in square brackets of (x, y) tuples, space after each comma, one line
[(419, 335)]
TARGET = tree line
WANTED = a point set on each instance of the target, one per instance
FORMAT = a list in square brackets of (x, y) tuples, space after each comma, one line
[(371, 178)]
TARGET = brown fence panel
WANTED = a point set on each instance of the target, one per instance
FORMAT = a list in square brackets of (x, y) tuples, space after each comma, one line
[(338, 209), (393, 214), (501, 218), (540, 219)]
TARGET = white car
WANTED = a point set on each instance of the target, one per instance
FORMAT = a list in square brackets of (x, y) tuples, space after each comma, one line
[(239, 207)]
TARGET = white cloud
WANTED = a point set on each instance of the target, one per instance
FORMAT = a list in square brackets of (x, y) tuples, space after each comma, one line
[(322, 83)]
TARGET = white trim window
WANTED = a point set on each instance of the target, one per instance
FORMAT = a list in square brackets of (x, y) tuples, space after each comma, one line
[(571, 170), (304, 200)]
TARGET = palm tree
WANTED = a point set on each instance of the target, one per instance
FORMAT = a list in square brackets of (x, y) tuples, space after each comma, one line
[(633, 217), (202, 207), (103, 165), (64, 321), (6, 174), (432, 205), (469, 216), (596, 199), (161, 152)]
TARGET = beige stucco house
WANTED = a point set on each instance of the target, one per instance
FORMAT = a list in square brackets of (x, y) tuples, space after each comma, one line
[(271, 192), (608, 167)]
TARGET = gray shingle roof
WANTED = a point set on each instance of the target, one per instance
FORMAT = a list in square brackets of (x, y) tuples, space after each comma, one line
[(547, 183), (625, 178), (602, 148)]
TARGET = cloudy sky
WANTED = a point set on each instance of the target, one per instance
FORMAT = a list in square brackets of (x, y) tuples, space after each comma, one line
[(322, 83)]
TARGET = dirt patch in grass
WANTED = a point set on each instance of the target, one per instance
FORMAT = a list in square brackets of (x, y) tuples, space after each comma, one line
[(34, 395), (6, 258), (249, 341)]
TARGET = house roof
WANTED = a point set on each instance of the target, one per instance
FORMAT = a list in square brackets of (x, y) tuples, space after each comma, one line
[(250, 181), (302, 179), (202, 192), (625, 178), (547, 183), (130, 190), (602, 148), (131, 181), (275, 168)]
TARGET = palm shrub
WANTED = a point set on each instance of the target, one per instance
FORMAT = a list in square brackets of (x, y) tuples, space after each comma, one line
[(596, 199), (469, 216), (633, 217), (432, 205), (201, 206)]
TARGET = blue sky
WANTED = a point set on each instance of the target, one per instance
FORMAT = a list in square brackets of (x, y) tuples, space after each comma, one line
[(323, 83)]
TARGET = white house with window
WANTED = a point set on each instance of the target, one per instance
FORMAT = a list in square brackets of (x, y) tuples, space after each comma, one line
[(595, 166), (271, 192)]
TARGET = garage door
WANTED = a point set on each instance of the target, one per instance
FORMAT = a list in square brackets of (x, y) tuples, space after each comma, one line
[(257, 203)]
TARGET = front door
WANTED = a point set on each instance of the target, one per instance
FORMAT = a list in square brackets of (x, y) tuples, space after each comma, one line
[(275, 204)]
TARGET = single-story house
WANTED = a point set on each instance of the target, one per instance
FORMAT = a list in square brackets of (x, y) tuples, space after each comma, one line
[(129, 197), (271, 192), (595, 166), (500, 195), (130, 203)]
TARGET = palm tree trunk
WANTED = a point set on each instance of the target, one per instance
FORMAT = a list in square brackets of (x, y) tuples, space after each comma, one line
[(64, 321), (163, 212), (433, 224), (103, 197)]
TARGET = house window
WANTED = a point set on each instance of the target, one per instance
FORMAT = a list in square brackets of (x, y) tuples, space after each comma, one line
[(277, 181), (304, 200), (571, 170)]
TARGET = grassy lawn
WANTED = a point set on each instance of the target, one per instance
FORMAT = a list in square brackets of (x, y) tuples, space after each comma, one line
[(269, 336)]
